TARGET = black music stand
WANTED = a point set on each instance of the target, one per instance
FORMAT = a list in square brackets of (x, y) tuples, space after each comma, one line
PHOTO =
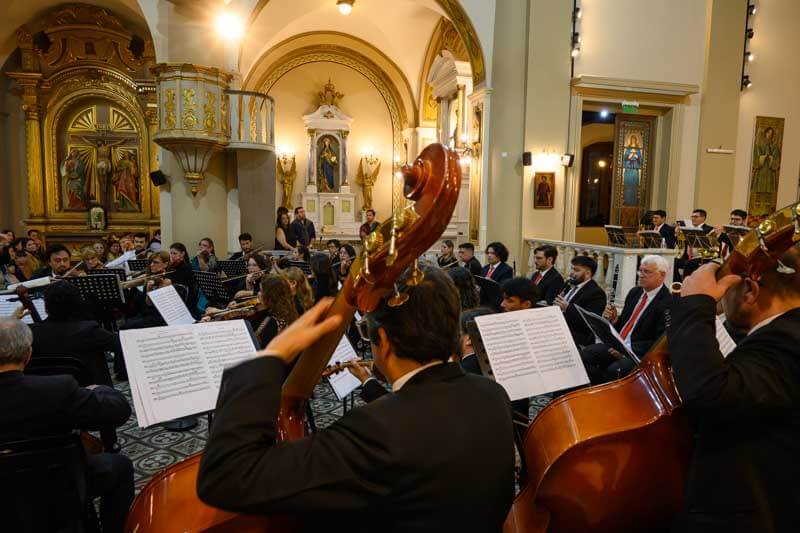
[(212, 287), (490, 292), (232, 268), (622, 237), (697, 239), (103, 292), (305, 266), (137, 264), (650, 239), (735, 233), (119, 272)]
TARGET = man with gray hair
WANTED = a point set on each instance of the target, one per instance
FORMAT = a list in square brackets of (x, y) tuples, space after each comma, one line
[(38, 406), (641, 323)]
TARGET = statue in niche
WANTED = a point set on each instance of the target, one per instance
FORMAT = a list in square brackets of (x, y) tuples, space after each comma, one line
[(631, 175), (328, 163), (286, 177), (124, 194), (73, 172), (367, 181), (102, 163), (328, 95)]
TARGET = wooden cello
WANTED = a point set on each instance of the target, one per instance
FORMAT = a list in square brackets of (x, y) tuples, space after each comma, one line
[(615, 457), (169, 502)]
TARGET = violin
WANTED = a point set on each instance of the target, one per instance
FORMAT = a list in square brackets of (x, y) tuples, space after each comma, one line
[(169, 502), (615, 457)]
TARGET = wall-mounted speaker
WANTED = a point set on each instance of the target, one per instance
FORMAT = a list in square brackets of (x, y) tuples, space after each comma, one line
[(158, 178), (527, 159)]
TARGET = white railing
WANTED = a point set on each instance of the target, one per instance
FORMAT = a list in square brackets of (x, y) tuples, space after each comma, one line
[(252, 119), (608, 258)]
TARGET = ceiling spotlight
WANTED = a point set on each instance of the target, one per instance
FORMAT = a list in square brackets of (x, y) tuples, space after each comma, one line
[(746, 83), (604, 113), (575, 52), (229, 26), (577, 13), (749, 33), (345, 6), (751, 9), (601, 164), (750, 56)]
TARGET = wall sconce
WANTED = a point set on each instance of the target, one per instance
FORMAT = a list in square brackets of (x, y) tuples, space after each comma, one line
[(749, 32)]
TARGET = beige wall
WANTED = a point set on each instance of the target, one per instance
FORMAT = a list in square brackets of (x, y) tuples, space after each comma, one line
[(296, 95), (719, 108), (13, 172), (776, 77)]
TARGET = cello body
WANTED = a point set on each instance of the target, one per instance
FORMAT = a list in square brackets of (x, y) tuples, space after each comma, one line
[(613, 457)]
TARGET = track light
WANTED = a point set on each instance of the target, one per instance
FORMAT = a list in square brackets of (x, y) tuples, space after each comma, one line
[(575, 51), (577, 14), (751, 9), (746, 83), (749, 56), (749, 33)]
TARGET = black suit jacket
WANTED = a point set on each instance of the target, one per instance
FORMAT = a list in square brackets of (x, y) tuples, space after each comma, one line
[(591, 298), (34, 406), (474, 266), (85, 340), (550, 285), (501, 272), (304, 233), (668, 234), (406, 461), (747, 413), (651, 324)]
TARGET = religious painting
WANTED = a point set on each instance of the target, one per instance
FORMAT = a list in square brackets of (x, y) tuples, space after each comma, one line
[(102, 160), (633, 146), (544, 188), (328, 159), (765, 168), (97, 218)]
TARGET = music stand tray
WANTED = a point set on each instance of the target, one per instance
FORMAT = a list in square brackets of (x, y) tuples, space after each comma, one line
[(100, 288), (622, 237), (119, 272), (302, 265), (735, 233), (650, 239), (232, 268), (211, 286), (697, 238), (490, 293), (137, 264)]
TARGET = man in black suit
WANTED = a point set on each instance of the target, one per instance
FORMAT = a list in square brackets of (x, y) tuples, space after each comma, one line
[(64, 333), (546, 278), (745, 407), (689, 262), (466, 252), (738, 217), (37, 406), (302, 228), (496, 268), (246, 245), (406, 461), (659, 220), (57, 261), (581, 290), (640, 325)]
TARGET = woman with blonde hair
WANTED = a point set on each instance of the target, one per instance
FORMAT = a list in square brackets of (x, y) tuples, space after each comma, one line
[(91, 260), (301, 289), (276, 295)]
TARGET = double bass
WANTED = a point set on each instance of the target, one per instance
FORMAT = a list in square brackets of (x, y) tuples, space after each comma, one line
[(169, 502), (615, 457)]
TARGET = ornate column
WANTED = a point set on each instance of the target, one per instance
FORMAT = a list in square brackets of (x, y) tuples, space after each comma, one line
[(151, 116), (29, 82)]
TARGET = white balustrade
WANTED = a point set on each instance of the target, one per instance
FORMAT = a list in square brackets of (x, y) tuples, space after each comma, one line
[(252, 120), (608, 259)]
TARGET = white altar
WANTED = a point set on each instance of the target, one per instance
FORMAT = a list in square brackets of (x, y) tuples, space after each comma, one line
[(327, 198)]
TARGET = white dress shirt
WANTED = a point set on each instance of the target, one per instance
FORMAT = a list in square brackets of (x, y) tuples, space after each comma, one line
[(651, 295), (402, 380)]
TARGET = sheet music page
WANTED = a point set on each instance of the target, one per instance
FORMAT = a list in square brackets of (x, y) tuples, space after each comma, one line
[(169, 304), (531, 351), (121, 261), (9, 303), (343, 383), (604, 331), (726, 342), (175, 371)]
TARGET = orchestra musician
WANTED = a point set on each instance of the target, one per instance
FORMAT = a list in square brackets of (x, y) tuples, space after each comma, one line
[(448, 257), (323, 278), (390, 462), (465, 284), (738, 217), (302, 228), (257, 266), (659, 221), (347, 255), (145, 314), (57, 262), (140, 244), (369, 225), (180, 272), (284, 236), (581, 290), (496, 267), (547, 278), (466, 252), (206, 259), (91, 261), (246, 245), (745, 406), (280, 306), (333, 246), (642, 322)]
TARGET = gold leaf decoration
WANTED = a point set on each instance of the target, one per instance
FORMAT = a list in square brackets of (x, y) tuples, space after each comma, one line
[(84, 120), (120, 122)]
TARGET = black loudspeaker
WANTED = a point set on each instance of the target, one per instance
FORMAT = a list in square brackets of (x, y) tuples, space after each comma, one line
[(158, 178), (526, 159)]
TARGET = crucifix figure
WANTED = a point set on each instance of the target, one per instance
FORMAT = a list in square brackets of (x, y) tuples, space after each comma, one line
[(103, 166)]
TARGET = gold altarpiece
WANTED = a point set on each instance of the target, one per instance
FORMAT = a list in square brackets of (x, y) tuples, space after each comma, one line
[(90, 117)]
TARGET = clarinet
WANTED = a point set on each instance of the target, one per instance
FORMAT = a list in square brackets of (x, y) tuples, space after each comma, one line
[(613, 293)]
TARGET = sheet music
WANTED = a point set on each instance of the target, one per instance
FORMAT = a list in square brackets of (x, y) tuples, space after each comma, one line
[(605, 332), (343, 383), (169, 304), (121, 261), (726, 342), (531, 351), (9, 303), (176, 371)]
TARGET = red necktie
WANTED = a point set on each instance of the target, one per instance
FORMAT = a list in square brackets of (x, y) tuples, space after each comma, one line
[(491, 271), (537, 278), (632, 320)]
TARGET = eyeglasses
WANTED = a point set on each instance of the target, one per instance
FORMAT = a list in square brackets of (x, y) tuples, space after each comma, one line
[(647, 272)]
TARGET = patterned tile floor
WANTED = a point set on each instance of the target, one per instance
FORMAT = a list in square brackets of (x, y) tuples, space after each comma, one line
[(155, 448)]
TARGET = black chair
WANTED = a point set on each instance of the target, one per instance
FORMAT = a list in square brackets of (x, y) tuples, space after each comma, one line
[(43, 486)]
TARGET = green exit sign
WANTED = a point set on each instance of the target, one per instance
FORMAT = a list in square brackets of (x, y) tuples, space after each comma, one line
[(630, 107)]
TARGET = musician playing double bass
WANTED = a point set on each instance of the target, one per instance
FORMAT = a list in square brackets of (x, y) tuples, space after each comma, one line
[(745, 467), (407, 462)]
